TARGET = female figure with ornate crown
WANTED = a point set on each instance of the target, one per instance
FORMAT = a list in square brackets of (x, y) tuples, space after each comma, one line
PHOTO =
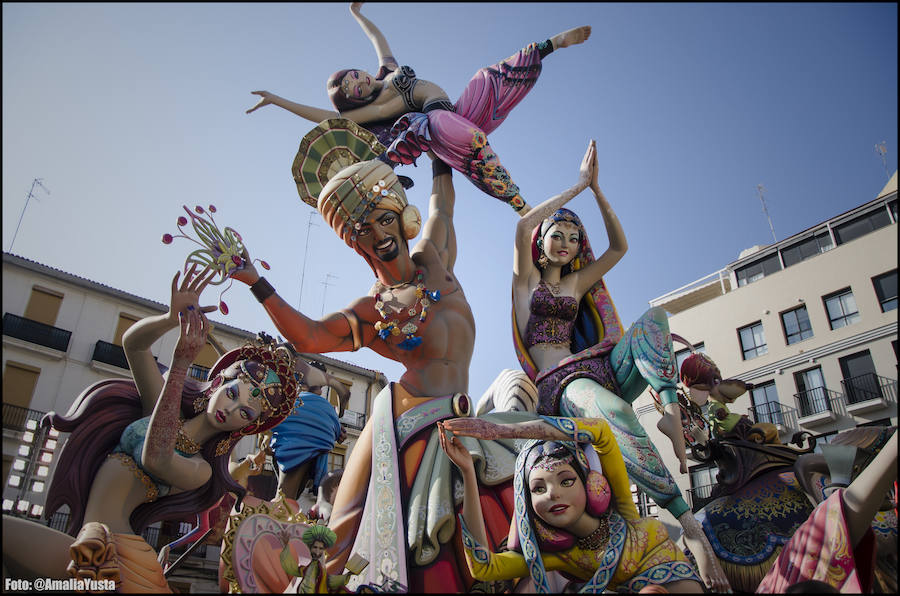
[(456, 132), (569, 340), (153, 448), (574, 511)]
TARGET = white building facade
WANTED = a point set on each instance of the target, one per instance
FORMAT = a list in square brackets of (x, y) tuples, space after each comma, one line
[(810, 321)]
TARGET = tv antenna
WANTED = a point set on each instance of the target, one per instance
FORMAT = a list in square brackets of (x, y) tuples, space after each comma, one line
[(881, 149), (762, 189), (309, 225), (35, 182), (326, 283)]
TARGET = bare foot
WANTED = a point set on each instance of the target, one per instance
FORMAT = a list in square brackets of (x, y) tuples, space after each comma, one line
[(710, 571), (571, 37), (672, 429)]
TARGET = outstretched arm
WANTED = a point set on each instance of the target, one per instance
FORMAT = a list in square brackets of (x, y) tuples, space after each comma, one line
[(439, 228), (460, 456), (385, 56), (591, 274), (138, 339), (310, 113), (523, 266)]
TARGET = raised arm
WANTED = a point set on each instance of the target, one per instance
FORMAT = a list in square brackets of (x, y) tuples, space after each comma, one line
[(438, 227), (310, 113), (523, 267), (587, 277), (334, 333), (139, 338), (158, 454), (385, 56)]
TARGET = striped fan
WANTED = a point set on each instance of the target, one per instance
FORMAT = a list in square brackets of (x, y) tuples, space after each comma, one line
[(327, 149)]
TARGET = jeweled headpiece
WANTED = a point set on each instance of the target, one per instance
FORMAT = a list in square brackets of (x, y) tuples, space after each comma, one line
[(276, 378), (220, 250), (561, 214)]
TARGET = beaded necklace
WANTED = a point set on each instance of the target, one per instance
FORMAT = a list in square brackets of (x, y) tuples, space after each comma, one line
[(424, 298)]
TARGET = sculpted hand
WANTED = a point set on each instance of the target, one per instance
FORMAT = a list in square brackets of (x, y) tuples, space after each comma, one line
[(475, 427), (195, 329), (452, 446), (247, 273), (588, 172), (265, 99), (187, 295)]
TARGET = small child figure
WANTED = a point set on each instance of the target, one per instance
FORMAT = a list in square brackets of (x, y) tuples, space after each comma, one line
[(314, 580)]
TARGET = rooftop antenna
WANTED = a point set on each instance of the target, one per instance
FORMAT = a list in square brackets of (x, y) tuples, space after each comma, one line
[(762, 189), (325, 289), (309, 224), (36, 181), (881, 149)]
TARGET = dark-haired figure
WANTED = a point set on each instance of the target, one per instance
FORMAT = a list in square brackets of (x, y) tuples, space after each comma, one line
[(456, 132), (574, 511), (155, 448)]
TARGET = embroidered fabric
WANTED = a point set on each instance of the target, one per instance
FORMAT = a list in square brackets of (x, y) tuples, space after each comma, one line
[(404, 82), (552, 318)]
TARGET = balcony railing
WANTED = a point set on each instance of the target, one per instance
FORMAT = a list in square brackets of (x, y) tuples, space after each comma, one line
[(771, 412), (869, 386), (700, 496), (816, 400), (16, 417), (353, 419), (36, 333), (110, 354), (201, 373)]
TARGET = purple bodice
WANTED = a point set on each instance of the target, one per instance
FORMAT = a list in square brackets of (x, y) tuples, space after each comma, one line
[(551, 319)]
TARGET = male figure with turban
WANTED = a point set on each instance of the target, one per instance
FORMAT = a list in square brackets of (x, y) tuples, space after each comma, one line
[(396, 496), (314, 579)]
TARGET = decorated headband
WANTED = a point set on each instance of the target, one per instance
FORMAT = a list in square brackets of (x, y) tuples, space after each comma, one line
[(220, 249), (353, 202), (277, 374), (561, 214)]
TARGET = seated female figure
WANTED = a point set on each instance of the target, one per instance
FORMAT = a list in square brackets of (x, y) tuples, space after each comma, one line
[(574, 511)]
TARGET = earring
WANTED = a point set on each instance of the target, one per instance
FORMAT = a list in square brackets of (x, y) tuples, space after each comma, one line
[(543, 261)]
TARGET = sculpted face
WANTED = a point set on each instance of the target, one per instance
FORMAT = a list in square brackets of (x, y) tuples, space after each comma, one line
[(561, 243), (358, 84), (380, 236), (232, 407), (316, 549), (557, 495)]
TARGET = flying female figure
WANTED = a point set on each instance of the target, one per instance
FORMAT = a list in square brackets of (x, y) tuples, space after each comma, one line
[(456, 132)]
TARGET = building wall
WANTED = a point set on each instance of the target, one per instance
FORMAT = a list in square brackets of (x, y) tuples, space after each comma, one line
[(715, 321)]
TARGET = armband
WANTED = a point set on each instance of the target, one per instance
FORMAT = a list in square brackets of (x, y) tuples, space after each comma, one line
[(262, 289)]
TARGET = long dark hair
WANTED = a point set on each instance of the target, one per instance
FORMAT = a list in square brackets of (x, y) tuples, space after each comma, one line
[(96, 421), (343, 102)]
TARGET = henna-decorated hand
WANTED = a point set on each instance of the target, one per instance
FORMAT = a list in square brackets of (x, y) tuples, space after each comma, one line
[(454, 449), (587, 174), (266, 98), (187, 295), (476, 427), (194, 332)]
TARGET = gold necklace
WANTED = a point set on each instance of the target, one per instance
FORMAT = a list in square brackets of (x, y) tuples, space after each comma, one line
[(184, 443), (553, 287), (424, 297), (596, 539)]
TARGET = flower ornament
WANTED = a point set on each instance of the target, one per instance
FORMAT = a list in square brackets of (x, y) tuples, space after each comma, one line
[(219, 250)]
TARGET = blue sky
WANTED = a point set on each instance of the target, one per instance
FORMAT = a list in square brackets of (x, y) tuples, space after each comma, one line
[(128, 111)]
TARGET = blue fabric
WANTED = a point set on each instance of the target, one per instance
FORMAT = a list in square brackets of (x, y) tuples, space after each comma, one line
[(131, 443), (309, 433)]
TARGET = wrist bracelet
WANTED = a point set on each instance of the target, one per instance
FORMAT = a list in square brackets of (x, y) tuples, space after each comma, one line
[(439, 168), (262, 289)]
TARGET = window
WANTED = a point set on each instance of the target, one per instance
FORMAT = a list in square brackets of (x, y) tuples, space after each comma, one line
[(19, 381), (892, 207), (860, 381), (796, 325), (862, 225), (812, 396), (703, 478), (753, 340), (766, 406), (807, 248), (335, 461), (841, 309), (681, 355), (125, 321), (757, 270), (886, 290), (43, 306)]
